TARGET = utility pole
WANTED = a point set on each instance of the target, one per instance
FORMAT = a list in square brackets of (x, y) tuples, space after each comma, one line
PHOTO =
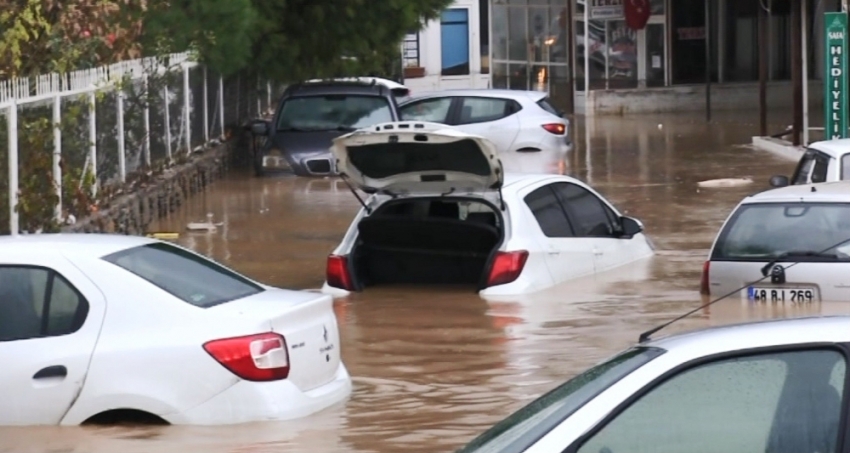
[(763, 50)]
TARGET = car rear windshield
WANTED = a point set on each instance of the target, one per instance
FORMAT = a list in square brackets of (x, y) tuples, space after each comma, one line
[(333, 112), (756, 232), (545, 104), (186, 275), (526, 426)]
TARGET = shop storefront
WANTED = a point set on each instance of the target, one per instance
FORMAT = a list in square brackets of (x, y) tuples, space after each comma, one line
[(587, 48)]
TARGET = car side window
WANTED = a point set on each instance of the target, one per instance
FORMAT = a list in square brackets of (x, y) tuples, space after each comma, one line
[(588, 214), (820, 168), (37, 302), (480, 110), (845, 167), (433, 110), (801, 175), (549, 213), (775, 403)]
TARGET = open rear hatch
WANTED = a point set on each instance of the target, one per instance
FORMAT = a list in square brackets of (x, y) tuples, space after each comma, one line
[(305, 320), (417, 158)]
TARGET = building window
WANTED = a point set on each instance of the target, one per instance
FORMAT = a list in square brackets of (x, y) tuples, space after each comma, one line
[(454, 40), (411, 50)]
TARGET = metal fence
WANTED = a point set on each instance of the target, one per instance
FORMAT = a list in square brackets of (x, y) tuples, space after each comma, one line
[(71, 142)]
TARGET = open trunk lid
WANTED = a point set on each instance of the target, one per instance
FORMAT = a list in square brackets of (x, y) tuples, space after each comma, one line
[(413, 157), (307, 322)]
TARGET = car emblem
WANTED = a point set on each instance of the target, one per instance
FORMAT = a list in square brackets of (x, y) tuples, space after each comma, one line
[(777, 275), (325, 333)]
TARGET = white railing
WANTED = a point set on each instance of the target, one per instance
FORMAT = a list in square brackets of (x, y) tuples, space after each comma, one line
[(54, 89)]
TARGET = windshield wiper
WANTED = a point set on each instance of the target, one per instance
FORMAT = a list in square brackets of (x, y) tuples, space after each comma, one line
[(796, 254), (292, 129)]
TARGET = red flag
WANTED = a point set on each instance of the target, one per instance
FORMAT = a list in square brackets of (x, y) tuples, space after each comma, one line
[(637, 13)]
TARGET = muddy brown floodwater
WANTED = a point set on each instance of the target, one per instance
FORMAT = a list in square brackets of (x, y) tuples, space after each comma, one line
[(433, 368)]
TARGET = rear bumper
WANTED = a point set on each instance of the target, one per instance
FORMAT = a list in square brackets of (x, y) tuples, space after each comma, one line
[(265, 401)]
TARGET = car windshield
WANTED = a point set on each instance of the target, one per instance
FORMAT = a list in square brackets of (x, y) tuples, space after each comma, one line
[(520, 430), (186, 275), (333, 112), (762, 231)]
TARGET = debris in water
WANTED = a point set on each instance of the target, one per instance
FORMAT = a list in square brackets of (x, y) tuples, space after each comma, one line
[(727, 182), (204, 226), (164, 236)]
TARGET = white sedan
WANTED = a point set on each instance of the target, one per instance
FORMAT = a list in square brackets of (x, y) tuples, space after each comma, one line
[(442, 211), (515, 121), (107, 328), (774, 387)]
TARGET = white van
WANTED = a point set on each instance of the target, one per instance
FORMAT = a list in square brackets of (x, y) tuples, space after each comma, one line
[(823, 161)]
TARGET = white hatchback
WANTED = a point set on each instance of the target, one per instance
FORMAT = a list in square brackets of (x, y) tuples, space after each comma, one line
[(443, 212), (784, 246), (107, 328), (515, 121)]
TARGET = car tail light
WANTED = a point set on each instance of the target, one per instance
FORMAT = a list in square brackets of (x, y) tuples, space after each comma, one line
[(703, 284), (555, 128), (262, 357), (507, 266), (337, 273)]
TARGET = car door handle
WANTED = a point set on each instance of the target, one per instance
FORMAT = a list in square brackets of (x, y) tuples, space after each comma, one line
[(554, 252), (597, 252), (55, 371)]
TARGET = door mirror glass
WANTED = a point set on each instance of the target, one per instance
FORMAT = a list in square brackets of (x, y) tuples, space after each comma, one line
[(259, 127), (779, 181), (631, 226)]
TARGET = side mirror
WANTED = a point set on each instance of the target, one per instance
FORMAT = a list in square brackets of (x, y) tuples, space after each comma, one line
[(779, 181), (259, 127), (630, 227)]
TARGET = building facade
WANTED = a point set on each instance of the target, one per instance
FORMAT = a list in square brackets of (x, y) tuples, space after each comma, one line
[(452, 51), (583, 52)]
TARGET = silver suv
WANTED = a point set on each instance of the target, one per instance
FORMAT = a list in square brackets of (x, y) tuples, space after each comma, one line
[(785, 246)]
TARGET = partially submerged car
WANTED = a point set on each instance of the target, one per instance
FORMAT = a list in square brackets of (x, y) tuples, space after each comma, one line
[(772, 387), (311, 115), (799, 236), (442, 211), (823, 161)]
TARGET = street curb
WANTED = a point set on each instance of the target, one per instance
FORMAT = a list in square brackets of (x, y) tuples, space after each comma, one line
[(780, 148)]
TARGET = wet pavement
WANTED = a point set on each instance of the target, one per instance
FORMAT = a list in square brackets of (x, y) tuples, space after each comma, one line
[(434, 367)]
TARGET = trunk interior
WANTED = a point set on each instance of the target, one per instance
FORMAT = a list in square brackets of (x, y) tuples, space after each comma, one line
[(426, 242)]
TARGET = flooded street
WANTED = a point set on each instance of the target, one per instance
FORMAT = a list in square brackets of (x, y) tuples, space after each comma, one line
[(432, 368)]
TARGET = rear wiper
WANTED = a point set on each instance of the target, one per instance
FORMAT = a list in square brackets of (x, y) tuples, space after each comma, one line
[(796, 254)]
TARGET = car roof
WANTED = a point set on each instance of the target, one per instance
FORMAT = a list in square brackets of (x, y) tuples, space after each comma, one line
[(836, 191), (761, 334), (517, 95), (324, 87), (81, 244), (834, 148)]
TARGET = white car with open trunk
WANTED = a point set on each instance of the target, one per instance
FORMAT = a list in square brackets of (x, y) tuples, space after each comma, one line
[(784, 246), (108, 328), (442, 211)]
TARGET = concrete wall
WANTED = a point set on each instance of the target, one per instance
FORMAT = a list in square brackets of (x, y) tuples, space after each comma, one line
[(728, 96), (430, 56)]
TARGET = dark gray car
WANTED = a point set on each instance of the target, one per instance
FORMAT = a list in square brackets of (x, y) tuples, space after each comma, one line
[(310, 115)]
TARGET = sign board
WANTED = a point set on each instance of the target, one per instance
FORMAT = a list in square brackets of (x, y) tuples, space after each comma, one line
[(606, 9), (835, 86)]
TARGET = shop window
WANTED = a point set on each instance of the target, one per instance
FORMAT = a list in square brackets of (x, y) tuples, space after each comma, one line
[(454, 40), (484, 34)]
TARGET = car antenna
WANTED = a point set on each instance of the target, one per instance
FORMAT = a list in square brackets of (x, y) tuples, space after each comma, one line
[(356, 195), (645, 336)]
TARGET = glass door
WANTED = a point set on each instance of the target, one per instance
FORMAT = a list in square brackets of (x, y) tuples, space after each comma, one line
[(653, 50)]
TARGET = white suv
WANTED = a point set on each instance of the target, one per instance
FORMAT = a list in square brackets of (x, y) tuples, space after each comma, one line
[(784, 246), (442, 211)]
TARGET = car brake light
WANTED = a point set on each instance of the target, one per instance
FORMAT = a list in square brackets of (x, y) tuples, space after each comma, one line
[(337, 273), (262, 357), (555, 128), (703, 284), (507, 266)]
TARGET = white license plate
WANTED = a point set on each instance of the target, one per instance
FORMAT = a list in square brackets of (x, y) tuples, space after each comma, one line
[(274, 161), (790, 296)]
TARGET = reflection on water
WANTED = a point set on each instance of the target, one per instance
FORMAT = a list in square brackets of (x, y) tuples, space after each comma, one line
[(434, 367)]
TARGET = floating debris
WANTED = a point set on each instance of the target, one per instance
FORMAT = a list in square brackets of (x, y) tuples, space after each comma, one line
[(164, 236), (204, 226), (727, 182)]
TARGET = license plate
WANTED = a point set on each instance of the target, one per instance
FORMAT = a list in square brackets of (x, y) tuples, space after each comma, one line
[(791, 296), (274, 161)]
